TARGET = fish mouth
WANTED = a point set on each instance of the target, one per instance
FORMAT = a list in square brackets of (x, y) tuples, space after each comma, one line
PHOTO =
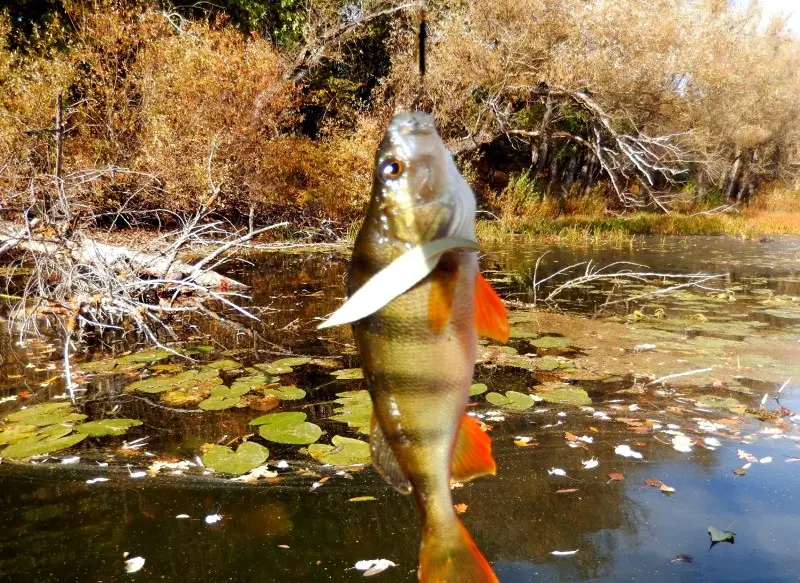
[(412, 123)]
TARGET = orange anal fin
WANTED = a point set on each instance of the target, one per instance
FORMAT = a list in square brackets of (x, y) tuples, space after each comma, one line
[(452, 557), (440, 302), (384, 460), (490, 312), (472, 454)]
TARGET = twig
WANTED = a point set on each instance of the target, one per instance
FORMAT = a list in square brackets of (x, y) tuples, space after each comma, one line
[(679, 374)]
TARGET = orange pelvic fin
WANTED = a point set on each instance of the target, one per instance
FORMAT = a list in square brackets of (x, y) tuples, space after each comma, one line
[(490, 312), (452, 558), (472, 455), (440, 302)]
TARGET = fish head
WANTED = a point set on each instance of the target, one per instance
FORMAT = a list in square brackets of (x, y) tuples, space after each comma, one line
[(418, 193)]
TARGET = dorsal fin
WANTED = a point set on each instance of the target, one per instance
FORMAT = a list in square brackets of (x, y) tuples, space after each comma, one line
[(490, 312), (472, 454), (384, 460)]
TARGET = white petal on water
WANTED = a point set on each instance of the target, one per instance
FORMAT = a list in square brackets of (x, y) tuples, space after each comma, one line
[(564, 553), (765, 460), (96, 480), (682, 443), (134, 564), (282, 465), (556, 472), (374, 566), (712, 441), (182, 516), (633, 407), (626, 451)]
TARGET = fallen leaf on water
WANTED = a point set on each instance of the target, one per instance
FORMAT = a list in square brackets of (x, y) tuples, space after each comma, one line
[(682, 443), (720, 536), (213, 518), (589, 464), (746, 456), (615, 477), (362, 499), (563, 553), (461, 508), (765, 460), (374, 566), (567, 491), (740, 472), (683, 559), (556, 472), (653, 482), (134, 564), (667, 489)]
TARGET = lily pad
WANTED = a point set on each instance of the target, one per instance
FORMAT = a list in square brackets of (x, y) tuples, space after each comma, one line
[(207, 378), (720, 536), (477, 389), (146, 356), (551, 342), (548, 363), (223, 364), (253, 381), (348, 374), (247, 456), (107, 427), (292, 361), (355, 410), (184, 397), (714, 402), (282, 365), (517, 332), (567, 396), (223, 398), (291, 428), (46, 414), (785, 314), (40, 445), (344, 452), (289, 393), (18, 432), (512, 400)]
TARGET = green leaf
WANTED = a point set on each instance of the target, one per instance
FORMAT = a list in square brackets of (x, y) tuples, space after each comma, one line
[(223, 364), (720, 536), (36, 446), (205, 378), (512, 400), (14, 433), (146, 356), (253, 381), (248, 456), (300, 434), (46, 414), (517, 332), (291, 361), (348, 374), (290, 393), (107, 427), (551, 342), (343, 452), (355, 409), (477, 389), (280, 419), (566, 396)]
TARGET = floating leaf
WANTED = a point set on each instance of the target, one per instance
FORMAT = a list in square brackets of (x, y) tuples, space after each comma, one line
[(184, 397), (223, 364), (720, 536), (289, 393), (195, 350), (344, 452), (146, 356), (362, 499), (551, 342), (14, 433), (512, 400), (568, 396), (477, 389), (616, 477), (205, 378), (248, 456), (517, 332), (355, 410), (348, 374), (292, 361), (46, 414), (253, 381), (740, 472), (626, 451), (107, 427), (39, 445), (291, 428), (786, 314)]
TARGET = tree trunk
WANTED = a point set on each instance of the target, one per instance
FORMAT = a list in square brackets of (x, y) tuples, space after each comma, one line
[(732, 178), (541, 151)]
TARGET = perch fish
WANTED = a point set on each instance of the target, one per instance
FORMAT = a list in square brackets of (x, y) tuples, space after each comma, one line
[(417, 304)]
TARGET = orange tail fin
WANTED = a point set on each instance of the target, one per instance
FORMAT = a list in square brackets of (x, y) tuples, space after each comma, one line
[(490, 312), (452, 558)]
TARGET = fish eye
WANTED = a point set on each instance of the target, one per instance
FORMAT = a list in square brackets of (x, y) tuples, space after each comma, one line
[(393, 168)]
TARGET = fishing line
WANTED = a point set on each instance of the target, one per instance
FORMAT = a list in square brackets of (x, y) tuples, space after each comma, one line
[(422, 53)]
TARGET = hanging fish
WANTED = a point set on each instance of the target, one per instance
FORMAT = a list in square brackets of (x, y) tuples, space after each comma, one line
[(418, 303)]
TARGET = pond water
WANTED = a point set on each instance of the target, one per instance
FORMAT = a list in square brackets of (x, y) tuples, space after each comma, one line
[(300, 519)]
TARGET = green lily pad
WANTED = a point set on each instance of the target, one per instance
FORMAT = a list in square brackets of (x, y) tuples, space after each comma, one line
[(247, 456), (567, 396), (477, 389), (714, 402), (206, 378), (184, 397), (512, 400), (291, 361), (548, 363), (291, 428), (786, 314), (195, 350), (107, 427), (348, 374), (289, 393), (551, 342), (344, 452), (146, 356), (517, 332), (355, 410), (223, 364), (720, 536), (46, 414), (14, 433), (253, 381), (40, 445), (223, 398)]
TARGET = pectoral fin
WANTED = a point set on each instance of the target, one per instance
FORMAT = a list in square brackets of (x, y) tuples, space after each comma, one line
[(472, 455), (490, 312), (384, 460)]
